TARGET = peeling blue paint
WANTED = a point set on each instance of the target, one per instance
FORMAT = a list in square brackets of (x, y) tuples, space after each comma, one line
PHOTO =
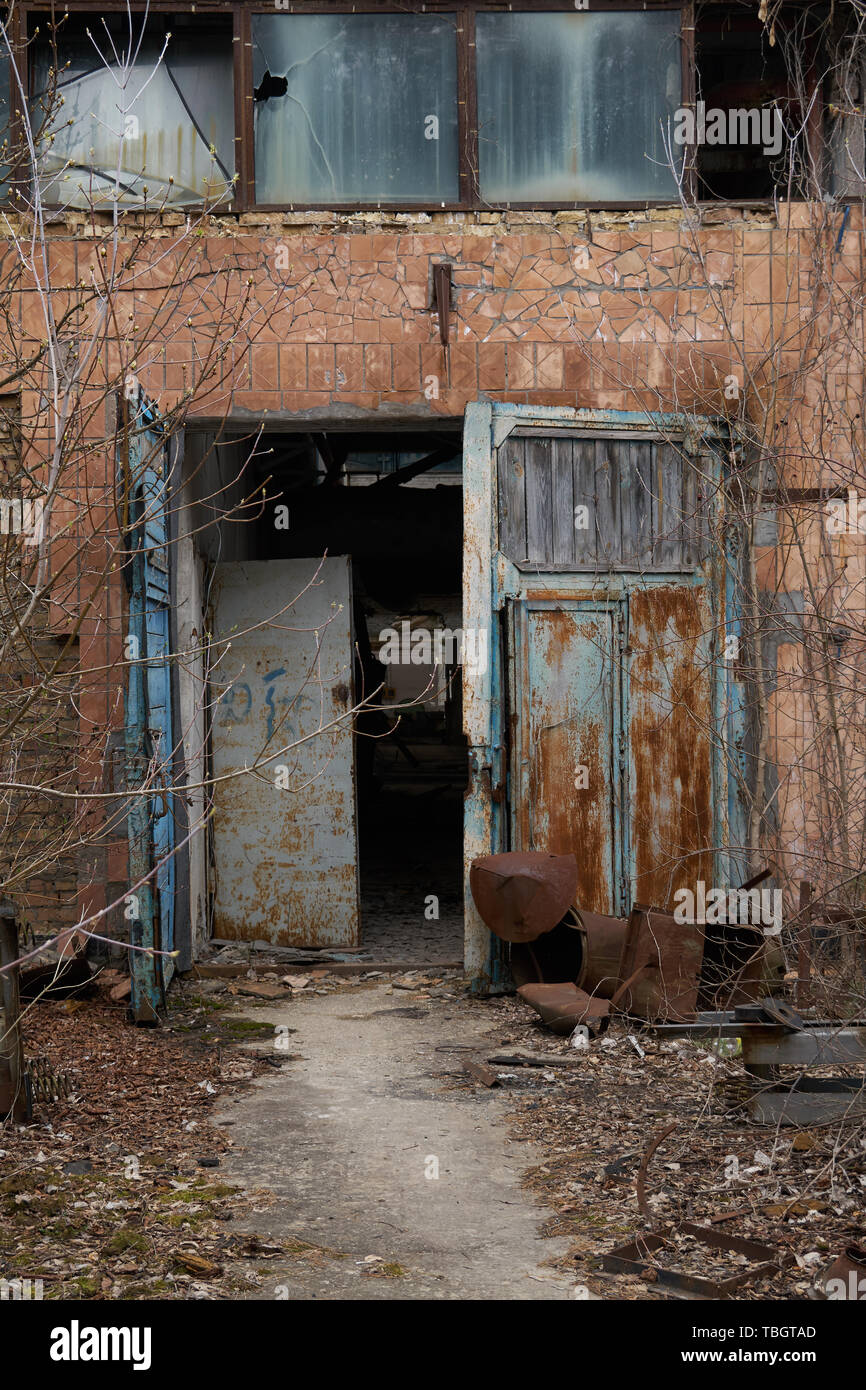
[(490, 580)]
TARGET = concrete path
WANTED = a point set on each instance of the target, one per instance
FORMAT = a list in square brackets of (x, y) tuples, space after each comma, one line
[(346, 1137)]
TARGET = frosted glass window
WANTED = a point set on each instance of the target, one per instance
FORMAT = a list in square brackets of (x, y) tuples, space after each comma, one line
[(355, 108), (169, 114), (570, 106)]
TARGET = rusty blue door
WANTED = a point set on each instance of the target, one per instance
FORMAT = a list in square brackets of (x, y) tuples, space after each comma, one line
[(596, 727), (148, 721)]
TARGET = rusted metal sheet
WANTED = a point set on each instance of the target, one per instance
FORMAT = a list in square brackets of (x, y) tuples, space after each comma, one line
[(738, 961), (283, 757), (479, 1072), (670, 740), (669, 955), (604, 939), (566, 791), (522, 896), (563, 1006), (642, 1255)]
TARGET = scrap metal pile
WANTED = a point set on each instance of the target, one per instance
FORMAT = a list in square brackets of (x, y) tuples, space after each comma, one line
[(577, 967)]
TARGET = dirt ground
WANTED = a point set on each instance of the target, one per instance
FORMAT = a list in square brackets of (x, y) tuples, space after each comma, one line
[(329, 1144)]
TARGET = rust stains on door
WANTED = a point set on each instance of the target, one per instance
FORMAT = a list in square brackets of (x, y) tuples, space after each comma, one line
[(566, 785), (670, 739)]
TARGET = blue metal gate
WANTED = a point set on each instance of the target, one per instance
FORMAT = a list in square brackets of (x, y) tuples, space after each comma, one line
[(148, 724)]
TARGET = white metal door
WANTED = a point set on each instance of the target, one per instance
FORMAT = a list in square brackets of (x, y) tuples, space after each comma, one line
[(283, 753)]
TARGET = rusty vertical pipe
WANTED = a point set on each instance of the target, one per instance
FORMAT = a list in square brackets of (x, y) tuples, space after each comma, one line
[(804, 945), (12, 1096)]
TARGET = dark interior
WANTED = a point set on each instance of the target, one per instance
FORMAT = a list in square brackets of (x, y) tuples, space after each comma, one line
[(738, 67), (394, 503)]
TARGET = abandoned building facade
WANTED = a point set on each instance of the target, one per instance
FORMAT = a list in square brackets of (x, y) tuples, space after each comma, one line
[(437, 326)]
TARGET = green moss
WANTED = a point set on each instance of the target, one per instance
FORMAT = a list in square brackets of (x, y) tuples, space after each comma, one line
[(204, 1002), (247, 1027), (177, 1219), (386, 1271), (21, 1183), (65, 1231), (122, 1240), (48, 1206)]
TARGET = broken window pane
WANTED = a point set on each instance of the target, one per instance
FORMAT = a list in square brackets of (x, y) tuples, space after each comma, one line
[(355, 108), (571, 106), (740, 72), (135, 122)]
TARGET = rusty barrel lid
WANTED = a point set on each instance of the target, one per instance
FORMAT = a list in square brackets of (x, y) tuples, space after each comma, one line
[(520, 896)]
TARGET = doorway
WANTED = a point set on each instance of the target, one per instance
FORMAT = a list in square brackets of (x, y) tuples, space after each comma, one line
[(389, 507)]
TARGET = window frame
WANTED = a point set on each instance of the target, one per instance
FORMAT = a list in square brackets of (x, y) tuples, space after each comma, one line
[(27, 16), (469, 199)]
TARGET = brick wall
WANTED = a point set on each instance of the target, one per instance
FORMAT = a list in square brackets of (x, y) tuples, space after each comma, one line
[(313, 317)]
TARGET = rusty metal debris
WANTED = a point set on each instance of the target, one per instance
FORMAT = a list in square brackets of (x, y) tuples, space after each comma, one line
[(781, 1012), (522, 896), (639, 1257), (533, 1059), (479, 1072), (771, 1036), (12, 1097), (640, 1184), (601, 960), (44, 1083), (649, 965), (562, 1007), (68, 976), (850, 1268), (666, 956)]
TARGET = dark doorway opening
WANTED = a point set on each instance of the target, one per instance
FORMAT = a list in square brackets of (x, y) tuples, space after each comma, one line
[(393, 503)]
